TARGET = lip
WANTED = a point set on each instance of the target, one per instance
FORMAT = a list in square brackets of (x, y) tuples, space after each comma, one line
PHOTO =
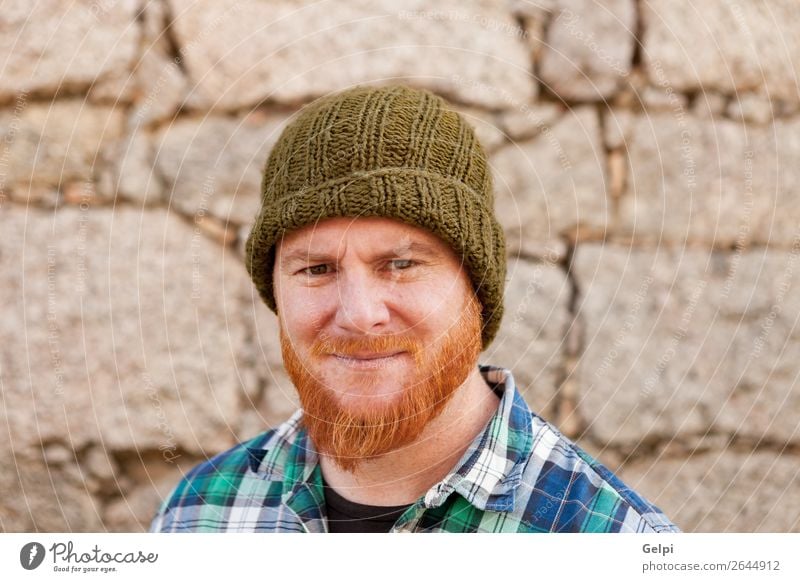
[(368, 355), (371, 363), (364, 356)]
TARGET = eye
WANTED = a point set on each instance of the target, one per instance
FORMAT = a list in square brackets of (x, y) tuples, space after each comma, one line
[(314, 270), (402, 264)]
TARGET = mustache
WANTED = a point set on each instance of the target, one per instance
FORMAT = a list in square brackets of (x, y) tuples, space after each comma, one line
[(376, 343)]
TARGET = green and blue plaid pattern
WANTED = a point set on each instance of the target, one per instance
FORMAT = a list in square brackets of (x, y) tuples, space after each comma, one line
[(519, 475)]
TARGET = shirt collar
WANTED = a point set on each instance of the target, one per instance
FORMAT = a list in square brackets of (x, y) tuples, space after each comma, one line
[(491, 469), (487, 475)]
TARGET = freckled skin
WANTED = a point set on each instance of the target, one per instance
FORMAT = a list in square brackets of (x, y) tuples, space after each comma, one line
[(386, 429), (363, 291)]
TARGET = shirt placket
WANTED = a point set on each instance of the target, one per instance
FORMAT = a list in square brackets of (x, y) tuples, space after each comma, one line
[(407, 522), (305, 500), (311, 517)]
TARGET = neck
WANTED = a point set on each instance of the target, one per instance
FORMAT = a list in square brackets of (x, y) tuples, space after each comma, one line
[(402, 476)]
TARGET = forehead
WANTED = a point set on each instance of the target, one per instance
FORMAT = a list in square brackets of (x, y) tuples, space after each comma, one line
[(377, 233)]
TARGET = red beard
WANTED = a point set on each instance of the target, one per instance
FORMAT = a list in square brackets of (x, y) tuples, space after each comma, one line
[(349, 436)]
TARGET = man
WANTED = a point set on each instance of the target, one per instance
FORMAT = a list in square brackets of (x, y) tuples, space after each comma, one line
[(378, 248)]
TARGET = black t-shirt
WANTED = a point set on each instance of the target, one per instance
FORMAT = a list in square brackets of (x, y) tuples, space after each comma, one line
[(345, 516)]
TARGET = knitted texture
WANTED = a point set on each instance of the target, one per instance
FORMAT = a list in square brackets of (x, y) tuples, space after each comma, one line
[(392, 151)]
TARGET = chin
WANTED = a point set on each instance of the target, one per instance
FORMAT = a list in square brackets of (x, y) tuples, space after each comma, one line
[(365, 379), (364, 398)]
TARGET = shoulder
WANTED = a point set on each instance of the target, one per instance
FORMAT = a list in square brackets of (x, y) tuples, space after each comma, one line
[(205, 494), (568, 490)]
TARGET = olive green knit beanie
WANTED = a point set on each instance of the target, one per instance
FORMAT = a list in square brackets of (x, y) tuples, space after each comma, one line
[(392, 151)]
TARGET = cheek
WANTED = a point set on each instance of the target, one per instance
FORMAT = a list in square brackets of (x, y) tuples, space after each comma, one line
[(433, 306), (300, 310), (293, 320), (427, 306)]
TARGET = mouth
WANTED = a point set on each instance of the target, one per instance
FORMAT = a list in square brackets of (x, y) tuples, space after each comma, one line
[(368, 355), (366, 360)]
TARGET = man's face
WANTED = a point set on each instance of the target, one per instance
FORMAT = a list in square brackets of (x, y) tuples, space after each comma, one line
[(379, 326)]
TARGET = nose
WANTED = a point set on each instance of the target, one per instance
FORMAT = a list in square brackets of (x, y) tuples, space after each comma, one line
[(360, 305)]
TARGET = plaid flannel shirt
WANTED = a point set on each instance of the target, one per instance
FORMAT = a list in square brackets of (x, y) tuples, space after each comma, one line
[(518, 475)]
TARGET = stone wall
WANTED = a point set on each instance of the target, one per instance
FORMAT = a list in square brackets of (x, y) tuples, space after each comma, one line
[(647, 171)]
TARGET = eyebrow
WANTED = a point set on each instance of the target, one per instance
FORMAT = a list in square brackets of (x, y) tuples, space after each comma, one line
[(415, 248)]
